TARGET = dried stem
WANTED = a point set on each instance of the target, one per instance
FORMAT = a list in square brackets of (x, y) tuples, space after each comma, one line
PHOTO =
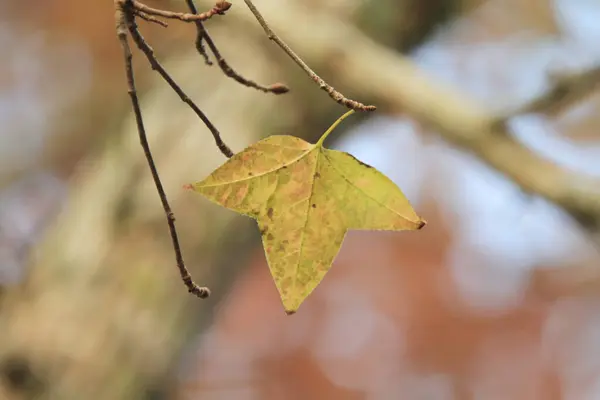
[(334, 94), (125, 19), (202, 34)]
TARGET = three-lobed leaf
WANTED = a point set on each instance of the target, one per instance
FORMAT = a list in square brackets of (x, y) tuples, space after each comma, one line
[(305, 198)]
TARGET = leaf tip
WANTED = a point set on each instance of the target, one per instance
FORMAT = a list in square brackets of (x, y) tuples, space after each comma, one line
[(421, 224), (290, 312)]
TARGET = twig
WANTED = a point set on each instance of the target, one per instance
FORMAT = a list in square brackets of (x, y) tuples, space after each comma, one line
[(147, 50), (150, 18), (125, 18), (276, 88), (334, 94), (219, 9), (202, 34)]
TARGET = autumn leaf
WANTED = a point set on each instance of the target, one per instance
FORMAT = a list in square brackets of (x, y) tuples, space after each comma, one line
[(305, 198)]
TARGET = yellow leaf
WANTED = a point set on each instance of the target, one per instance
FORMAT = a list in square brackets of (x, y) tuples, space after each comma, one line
[(305, 198)]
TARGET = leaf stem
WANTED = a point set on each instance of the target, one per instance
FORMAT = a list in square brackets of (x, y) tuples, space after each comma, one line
[(333, 126)]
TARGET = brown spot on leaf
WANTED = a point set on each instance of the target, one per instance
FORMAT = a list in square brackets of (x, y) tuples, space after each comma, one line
[(270, 236), (317, 175), (270, 213), (263, 230), (314, 206)]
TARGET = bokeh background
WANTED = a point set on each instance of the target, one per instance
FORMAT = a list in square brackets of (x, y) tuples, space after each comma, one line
[(497, 298)]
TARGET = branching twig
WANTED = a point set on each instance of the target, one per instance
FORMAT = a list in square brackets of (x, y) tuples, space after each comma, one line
[(147, 50), (125, 21), (334, 94), (202, 34), (219, 9), (150, 18)]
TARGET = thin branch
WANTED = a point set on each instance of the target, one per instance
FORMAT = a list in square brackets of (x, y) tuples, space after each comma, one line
[(125, 18), (334, 94), (147, 50), (276, 88), (202, 34), (150, 18), (219, 9)]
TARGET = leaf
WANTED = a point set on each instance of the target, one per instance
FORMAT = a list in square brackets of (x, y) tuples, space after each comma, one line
[(305, 198)]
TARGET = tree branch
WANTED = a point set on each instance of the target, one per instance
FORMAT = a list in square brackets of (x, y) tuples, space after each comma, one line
[(150, 18), (147, 50), (219, 9), (202, 34), (334, 94), (125, 21)]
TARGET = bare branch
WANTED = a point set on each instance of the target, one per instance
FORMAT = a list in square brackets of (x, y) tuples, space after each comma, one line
[(150, 18), (125, 21), (334, 94), (147, 50), (219, 9), (202, 34)]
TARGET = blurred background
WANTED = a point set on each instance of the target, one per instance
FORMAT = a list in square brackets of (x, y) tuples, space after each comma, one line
[(487, 119)]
